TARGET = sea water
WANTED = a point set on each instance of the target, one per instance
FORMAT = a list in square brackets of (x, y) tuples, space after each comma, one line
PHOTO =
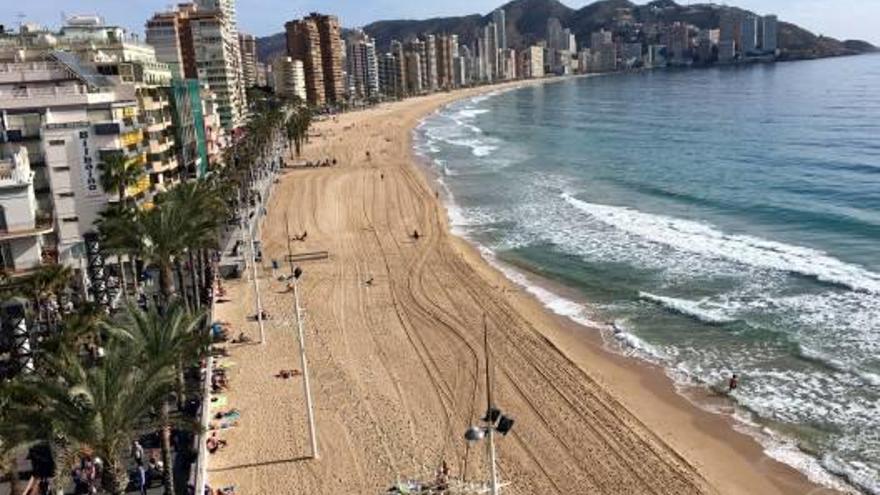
[(725, 220)]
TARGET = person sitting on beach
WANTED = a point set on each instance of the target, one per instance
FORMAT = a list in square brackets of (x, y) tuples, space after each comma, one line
[(285, 374), (442, 482), (415, 235), (227, 414), (219, 383), (369, 282), (241, 339), (214, 444)]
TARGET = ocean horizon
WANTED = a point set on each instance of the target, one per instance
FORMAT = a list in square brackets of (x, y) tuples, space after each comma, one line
[(713, 221)]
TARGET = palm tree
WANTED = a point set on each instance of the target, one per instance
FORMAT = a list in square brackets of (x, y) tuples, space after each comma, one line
[(18, 431), (44, 284), (93, 411), (113, 226), (169, 338), (186, 218), (118, 173)]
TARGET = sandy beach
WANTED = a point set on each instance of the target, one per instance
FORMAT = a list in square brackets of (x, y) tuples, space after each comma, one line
[(397, 365)]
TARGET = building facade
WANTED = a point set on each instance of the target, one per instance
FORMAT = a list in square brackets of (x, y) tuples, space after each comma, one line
[(316, 40), (289, 79), (247, 44)]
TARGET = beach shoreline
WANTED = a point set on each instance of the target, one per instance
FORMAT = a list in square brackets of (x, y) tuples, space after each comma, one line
[(714, 415), (375, 400)]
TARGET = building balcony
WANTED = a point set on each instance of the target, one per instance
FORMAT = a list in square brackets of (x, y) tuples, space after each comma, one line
[(126, 125), (43, 225), (51, 96), (23, 134), (160, 146), (24, 72), (15, 171)]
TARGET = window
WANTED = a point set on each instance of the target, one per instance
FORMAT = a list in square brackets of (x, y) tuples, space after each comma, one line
[(6, 260), (61, 169), (56, 142), (66, 195), (70, 219)]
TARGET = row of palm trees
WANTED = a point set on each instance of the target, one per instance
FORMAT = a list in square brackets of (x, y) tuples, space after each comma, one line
[(87, 407)]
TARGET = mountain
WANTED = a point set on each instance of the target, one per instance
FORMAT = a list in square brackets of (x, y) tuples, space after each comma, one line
[(527, 23)]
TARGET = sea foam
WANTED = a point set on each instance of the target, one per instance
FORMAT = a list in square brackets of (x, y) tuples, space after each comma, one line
[(706, 240)]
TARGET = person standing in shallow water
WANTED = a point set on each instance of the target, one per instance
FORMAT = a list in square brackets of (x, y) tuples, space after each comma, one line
[(733, 383)]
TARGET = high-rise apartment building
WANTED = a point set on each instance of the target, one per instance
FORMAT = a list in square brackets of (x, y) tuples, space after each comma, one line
[(447, 51), (362, 65), (248, 46), (500, 20), (430, 63), (200, 41), (413, 68), (490, 52), (532, 65), (749, 34), (316, 41), (218, 57), (770, 34), (165, 33), (289, 78), (304, 43), (389, 72), (397, 51)]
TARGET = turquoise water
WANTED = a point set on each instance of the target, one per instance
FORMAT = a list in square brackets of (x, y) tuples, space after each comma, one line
[(726, 220)]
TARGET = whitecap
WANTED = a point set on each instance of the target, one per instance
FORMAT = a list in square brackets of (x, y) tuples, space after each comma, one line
[(706, 240), (694, 309)]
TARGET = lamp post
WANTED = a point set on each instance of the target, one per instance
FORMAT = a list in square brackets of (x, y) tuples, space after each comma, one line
[(249, 241), (494, 421), (313, 438)]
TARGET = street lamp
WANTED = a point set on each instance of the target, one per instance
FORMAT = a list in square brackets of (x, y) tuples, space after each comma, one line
[(493, 422), (297, 273)]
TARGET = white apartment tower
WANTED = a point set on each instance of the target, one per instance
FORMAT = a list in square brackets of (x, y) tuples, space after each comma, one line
[(218, 57), (289, 78), (500, 20), (363, 65)]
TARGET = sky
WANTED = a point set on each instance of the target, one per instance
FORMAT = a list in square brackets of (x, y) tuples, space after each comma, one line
[(838, 18)]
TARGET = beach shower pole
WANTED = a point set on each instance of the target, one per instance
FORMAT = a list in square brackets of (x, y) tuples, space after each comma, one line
[(257, 290), (493, 468), (313, 438)]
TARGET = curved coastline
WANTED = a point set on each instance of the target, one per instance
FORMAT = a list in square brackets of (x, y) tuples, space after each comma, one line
[(797, 471), (396, 361)]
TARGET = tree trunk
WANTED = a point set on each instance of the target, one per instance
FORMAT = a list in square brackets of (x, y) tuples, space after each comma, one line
[(203, 272), (135, 274), (166, 282), (14, 481), (182, 286), (123, 279), (167, 460), (114, 476), (197, 303), (181, 387)]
